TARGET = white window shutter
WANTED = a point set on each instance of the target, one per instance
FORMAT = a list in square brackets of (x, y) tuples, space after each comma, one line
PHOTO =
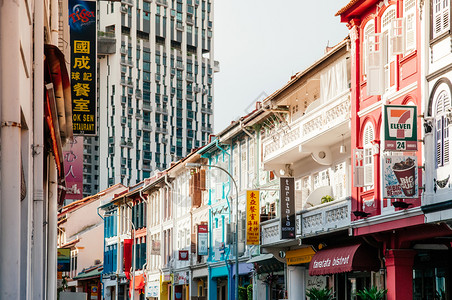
[(358, 168), (368, 175), (410, 32), (397, 36), (375, 83)]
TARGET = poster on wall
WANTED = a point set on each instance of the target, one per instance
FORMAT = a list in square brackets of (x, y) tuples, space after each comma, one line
[(73, 168), (400, 177), (203, 235), (400, 128), (252, 218), (287, 202), (82, 24)]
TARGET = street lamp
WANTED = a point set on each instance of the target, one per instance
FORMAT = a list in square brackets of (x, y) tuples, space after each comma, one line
[(132, 235), (236, 236)]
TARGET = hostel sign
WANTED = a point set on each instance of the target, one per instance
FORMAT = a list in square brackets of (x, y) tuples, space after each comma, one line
[(252, 218), (400, 128), (82, 23)]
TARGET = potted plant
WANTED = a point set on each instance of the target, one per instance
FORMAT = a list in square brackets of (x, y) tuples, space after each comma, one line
[(327, 198), (319, 294), (371, 294)]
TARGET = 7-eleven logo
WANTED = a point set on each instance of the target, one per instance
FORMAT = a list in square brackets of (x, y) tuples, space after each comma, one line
[(400, 122)]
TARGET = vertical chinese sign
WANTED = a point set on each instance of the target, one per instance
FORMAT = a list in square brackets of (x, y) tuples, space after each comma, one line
[(287, 201), (73, 168), (203, 235), (82, 23), (252, 218)]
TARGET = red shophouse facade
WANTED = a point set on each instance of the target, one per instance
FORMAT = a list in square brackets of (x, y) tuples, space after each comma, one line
[(386, 70)]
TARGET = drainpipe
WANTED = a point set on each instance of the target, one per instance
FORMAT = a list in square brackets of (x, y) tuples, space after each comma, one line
[(52, 231), (54, 21), (10, 149), (37, 245)]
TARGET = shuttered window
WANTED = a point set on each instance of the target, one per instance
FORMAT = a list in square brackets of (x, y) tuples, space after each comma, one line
[(368, 159), (409, 13), (443, 108), (441, 17)]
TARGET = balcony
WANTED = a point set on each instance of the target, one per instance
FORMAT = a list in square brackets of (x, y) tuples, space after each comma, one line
[(161, 110), (206, 110), (271, 232), (190, 78), (147, 107), (147, 127), (106, 42), (138, 94), (319, 127), (161, 130), (327, 217), (162, 2)]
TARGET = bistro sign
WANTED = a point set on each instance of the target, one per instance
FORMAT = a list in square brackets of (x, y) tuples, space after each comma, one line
[(287, 201)]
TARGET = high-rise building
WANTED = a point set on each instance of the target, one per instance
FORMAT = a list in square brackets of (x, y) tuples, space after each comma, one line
[(155, 87)]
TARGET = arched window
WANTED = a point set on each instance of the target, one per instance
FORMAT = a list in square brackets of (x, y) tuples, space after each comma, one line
[(368, 158), (442, 111)]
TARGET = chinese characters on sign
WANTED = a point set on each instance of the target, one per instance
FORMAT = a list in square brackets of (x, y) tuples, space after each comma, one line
[(400, 177), (73, 168), (203, 234), (252, 218), (400, 128), (82, 23), (287, 201)]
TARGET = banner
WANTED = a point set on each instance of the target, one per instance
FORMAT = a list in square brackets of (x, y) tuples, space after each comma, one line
[(127, 256), (63, 259), (400, 177), (203, 235), (82, 24), (400, 128), (73, 168), (252, 218), (287, 202)]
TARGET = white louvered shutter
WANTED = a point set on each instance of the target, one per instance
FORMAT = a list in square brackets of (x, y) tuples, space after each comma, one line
[(410, 24), (441, 22), (374, 67), (368, 161), (397, 36), (358, 168)]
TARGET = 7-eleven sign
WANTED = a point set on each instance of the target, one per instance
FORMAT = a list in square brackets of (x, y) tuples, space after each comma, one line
[(400, 128)]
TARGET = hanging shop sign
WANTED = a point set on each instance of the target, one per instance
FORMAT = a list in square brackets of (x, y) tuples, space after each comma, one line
[(183, 254), (400, 177), (252, 218), (63, 259), (400, 128), (82, 24), (287, 202), (73, 168), (203, 235)]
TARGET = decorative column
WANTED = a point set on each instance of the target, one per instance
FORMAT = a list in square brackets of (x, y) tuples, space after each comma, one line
[(399, 274)]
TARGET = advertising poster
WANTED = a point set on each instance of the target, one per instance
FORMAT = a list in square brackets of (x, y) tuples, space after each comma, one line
[(73, 168), (252, 218), (82, 24), (203, 235), (400, 128), (287, 201), (400, 177)]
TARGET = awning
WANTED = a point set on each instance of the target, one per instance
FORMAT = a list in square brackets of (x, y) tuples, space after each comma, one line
[(343, 259), (299, 256), (266, 263)]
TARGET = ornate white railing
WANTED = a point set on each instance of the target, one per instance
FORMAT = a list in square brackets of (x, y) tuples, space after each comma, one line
[(322, 118), (325, 218), (271, 231)]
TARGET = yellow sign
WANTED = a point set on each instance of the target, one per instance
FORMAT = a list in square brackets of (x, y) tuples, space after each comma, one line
[(252, 218), (299, 256)]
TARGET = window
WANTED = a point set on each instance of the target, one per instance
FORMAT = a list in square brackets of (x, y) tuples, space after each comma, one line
[(442, 122), (409, 14), (368, 159), (440, 17), (388, 57)]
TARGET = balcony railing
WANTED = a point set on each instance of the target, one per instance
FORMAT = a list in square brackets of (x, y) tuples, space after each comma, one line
[(323, 118), (326, 217), (271, 231)]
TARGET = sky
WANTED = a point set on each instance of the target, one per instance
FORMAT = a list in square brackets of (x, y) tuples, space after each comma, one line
[(261, 43)]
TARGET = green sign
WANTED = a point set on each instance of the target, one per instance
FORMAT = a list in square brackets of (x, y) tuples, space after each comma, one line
[(400, 128)]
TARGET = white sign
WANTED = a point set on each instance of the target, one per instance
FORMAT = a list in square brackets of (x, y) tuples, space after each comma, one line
[(153, 289)]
